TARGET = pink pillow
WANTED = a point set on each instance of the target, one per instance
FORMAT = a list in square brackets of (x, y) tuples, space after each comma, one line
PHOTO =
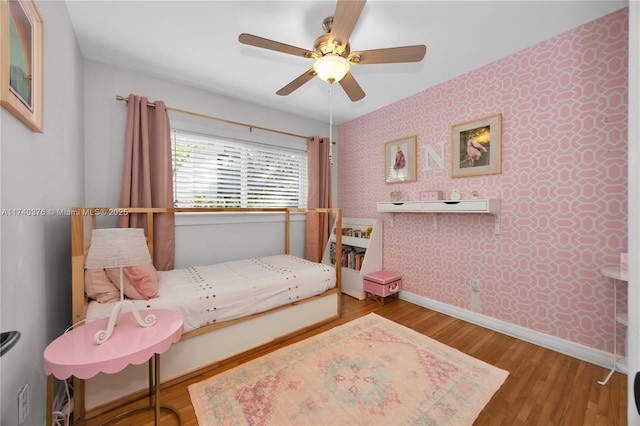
[(98, 286), (144, 278), (129, 290), (140, 282)]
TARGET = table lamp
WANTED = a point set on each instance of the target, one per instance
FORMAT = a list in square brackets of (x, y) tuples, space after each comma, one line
[(118, 248)]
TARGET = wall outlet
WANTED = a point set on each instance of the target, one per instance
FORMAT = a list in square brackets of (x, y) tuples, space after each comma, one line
[(23, 404), (475, 284)]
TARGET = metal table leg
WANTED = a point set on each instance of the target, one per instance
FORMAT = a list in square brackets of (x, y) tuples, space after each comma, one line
[(154, 397)]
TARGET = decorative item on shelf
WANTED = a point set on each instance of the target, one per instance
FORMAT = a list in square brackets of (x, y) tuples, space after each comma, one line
[(431, 196), (118, 248), (396, 196), (454, 195), (475, 195), (357, 233)]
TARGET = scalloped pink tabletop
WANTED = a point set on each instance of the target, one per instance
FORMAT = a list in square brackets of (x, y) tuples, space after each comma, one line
[(75, 353)]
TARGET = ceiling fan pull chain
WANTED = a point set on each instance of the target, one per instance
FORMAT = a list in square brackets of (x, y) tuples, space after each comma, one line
[(330, 127)]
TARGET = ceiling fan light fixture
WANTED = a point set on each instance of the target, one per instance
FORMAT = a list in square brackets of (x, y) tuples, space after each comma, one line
[(331, 67)]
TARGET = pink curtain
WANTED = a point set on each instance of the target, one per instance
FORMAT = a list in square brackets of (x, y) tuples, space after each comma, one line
[(146, 179), (319, 196)]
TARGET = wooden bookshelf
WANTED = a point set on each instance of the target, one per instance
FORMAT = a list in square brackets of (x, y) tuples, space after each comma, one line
[(362, 253)]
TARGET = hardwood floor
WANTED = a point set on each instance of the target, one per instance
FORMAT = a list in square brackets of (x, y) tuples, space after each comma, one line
[(543, 388)]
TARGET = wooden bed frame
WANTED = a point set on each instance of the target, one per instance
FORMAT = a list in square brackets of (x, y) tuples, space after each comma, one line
[(206, 347)]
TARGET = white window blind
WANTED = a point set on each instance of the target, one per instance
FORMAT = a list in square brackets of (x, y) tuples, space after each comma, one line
[(209, 171)]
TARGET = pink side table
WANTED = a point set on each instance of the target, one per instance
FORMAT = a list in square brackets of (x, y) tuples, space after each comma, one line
[(76, 354)]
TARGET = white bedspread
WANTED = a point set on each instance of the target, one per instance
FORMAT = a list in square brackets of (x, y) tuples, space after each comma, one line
[(216, 293)]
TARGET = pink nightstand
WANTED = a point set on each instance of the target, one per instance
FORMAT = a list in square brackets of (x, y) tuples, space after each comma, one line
[(75, 353)]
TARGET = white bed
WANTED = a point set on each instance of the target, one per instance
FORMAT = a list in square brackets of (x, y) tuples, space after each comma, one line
[(212, 294), (216, 332)]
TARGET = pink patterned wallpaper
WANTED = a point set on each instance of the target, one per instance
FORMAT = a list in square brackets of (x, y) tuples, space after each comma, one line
[(563, 184)]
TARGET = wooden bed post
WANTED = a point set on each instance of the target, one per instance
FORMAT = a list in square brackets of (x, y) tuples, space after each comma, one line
[(150, 235), (287, 232), (77, 262), (77, 297), (338, 265)]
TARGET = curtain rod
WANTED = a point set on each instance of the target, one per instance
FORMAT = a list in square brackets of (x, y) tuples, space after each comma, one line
[(195, 114)]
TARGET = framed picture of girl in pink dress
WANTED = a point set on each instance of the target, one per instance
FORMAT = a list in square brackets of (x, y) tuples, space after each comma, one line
[(400, 160)]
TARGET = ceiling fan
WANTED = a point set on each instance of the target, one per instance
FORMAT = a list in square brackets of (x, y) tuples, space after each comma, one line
[(332, 52)]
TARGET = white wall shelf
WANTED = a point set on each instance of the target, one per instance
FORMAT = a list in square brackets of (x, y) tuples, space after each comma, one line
[(352, 279), (480, 205)]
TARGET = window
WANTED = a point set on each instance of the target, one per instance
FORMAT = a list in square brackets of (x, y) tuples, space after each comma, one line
[(210, 171)]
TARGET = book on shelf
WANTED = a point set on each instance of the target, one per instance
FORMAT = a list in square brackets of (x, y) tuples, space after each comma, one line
[(352, 257)]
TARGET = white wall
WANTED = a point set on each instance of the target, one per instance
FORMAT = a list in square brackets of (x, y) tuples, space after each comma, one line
[(204, 240), (43, 171)]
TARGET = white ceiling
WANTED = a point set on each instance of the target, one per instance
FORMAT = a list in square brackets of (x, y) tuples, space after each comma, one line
[(196, 43)]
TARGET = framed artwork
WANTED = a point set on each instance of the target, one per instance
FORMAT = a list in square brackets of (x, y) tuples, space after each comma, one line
[(476, 147), (400, 160), (21, 61)]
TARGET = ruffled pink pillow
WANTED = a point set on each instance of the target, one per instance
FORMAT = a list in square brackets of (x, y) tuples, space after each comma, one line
[(140, 282), (98, 286)]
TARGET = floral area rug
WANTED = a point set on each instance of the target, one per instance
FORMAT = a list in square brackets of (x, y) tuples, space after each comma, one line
[(369, 371)]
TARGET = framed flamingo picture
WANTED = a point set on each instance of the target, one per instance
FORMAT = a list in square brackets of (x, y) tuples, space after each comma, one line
[(400, 160), (476, 147)]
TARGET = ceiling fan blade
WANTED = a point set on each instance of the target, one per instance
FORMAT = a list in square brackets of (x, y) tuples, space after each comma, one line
[(265, 43), (389, 55), (344, 21), (289, 88), (352, 88)]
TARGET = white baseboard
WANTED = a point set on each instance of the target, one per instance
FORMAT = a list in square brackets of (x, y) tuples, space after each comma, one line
[(576, 350)]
